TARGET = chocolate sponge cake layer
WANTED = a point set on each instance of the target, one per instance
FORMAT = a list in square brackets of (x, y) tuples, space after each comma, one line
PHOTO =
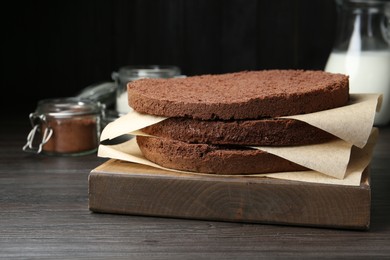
[(212, 159), (241, 95), (272, 132)]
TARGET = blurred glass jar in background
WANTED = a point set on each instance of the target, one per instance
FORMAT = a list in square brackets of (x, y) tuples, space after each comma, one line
[(131, 73), (65, 126), (362, 49)]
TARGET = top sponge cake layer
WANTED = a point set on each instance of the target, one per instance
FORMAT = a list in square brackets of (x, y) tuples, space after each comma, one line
[(241, 95)]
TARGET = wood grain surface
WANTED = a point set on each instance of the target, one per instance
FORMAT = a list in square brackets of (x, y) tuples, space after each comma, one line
[(44, 215), (128, 188)]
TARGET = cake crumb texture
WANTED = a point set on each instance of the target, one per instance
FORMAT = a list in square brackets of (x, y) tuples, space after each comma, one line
[(240, 95)]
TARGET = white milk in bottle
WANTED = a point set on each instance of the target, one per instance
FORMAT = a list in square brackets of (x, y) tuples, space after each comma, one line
[(362, 49), (369, 72)]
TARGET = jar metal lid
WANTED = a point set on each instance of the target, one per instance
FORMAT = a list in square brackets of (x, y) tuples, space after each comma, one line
[(130, 73), (68, 107)]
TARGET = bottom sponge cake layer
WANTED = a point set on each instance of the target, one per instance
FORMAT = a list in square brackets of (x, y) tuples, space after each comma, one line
[(213, 159)]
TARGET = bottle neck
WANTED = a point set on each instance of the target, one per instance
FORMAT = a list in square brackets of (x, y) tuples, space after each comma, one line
[(362, 26)]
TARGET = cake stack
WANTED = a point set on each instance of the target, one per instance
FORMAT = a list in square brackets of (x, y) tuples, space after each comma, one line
[(214, 120), (274, 146)]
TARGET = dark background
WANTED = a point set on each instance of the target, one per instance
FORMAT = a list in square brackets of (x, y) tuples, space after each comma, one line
[(56, 48)]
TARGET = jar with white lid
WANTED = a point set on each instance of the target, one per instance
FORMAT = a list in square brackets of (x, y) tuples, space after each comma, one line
[(130, 73), (65, 126)]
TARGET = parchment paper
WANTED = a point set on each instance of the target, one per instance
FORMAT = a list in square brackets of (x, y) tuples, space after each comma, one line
[(126, 124), (360, 158), (329, 158), (351, 123)]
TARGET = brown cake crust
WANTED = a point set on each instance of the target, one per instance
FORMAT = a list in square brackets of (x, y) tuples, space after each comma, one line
[(241, 95), (268, 132), (212, 159)]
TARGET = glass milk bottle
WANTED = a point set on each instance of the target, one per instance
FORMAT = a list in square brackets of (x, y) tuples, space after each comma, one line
[(362, 49)]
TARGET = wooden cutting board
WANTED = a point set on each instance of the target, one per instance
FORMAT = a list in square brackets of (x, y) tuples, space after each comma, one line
[(127, 188)]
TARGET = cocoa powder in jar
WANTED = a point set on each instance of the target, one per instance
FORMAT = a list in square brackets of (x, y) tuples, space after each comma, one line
[(67, 126), (72, 135)]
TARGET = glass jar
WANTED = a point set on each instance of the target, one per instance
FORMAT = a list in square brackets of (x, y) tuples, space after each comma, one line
[(362, 49), (131, 73), (67, 126)]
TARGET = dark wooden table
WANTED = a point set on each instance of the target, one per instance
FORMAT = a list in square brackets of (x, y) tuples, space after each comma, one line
[(44, 214)]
